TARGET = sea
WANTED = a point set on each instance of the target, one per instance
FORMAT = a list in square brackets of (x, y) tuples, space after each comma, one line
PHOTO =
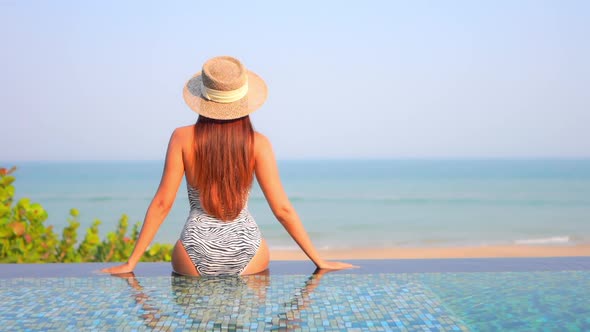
[(347, 204)]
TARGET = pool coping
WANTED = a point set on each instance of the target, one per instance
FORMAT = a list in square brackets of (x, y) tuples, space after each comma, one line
[(448, 265)]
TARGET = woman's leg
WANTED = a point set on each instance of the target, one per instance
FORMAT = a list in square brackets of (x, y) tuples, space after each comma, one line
[(260, 261), (181, 262)]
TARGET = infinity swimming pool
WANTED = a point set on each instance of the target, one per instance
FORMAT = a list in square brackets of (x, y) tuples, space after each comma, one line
[(383, 295)]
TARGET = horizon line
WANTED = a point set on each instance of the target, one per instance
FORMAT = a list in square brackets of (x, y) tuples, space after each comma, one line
[(479, 158)]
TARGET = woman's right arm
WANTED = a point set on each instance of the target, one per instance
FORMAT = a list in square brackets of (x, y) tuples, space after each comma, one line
[(267, 174)]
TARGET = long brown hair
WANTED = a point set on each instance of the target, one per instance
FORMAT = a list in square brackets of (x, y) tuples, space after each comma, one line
[(224, 164)]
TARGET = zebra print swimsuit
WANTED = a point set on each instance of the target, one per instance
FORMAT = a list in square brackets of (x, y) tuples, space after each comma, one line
[(217, 247)]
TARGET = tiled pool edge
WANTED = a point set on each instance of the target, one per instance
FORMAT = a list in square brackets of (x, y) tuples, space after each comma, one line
[(397, 295), (306, 267)]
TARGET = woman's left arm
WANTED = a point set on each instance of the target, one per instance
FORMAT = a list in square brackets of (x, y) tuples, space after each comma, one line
[(160, 205)]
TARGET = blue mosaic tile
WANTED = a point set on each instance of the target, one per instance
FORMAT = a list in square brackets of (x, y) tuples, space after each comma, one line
[(516, 301), (450, 301), (328, 303)]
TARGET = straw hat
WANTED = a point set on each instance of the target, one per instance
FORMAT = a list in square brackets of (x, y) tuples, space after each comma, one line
[(225, 90)]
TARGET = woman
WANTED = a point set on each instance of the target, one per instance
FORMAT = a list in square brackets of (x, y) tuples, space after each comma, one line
[(219, 156)]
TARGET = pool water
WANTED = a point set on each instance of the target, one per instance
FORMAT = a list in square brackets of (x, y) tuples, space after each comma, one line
[(550, 299)]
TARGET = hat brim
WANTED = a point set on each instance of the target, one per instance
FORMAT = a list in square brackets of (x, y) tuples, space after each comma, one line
[(257, 93)]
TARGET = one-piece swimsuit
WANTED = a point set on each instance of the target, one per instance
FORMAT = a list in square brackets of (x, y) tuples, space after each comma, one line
[(218, 247)]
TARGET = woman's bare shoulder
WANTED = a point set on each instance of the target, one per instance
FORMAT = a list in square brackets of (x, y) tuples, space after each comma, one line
[(261, 142), (182, 137), (184, 130), (183, 133)]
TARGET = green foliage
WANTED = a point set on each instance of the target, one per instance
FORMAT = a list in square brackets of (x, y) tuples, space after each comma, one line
[(25, 239)]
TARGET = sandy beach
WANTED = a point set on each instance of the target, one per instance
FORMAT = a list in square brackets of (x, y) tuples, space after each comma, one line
[(441, 252)]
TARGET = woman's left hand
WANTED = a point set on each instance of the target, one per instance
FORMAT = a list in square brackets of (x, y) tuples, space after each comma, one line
[(123, 268)]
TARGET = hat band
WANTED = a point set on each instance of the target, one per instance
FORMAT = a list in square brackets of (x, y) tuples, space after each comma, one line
[(224, 97)]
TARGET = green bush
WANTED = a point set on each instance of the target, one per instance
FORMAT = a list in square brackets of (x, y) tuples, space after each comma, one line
[(25, 239)]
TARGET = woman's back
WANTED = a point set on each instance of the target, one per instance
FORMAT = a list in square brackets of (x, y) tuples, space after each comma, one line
[(214, 245)]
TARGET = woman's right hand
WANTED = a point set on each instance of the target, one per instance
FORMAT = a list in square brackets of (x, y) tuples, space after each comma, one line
[(327, 265)]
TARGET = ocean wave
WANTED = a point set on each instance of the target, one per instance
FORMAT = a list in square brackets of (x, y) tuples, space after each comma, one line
[(89, 198), (395, 200), (545, 240), (461, 200)]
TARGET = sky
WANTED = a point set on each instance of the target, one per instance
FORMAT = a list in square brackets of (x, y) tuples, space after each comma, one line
[(102, 80)]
